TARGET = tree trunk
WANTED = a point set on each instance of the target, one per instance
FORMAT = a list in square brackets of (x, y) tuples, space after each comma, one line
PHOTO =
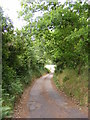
[(79, 69)]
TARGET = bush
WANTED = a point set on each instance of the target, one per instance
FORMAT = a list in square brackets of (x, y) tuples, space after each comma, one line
[(47, 70), (4, 110), (65, 79), (16, 87)]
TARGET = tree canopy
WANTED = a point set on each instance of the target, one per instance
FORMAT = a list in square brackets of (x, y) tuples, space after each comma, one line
[(62, 30)]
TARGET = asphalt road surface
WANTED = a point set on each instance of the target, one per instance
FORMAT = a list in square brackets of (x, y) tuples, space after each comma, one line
[(46, 102)]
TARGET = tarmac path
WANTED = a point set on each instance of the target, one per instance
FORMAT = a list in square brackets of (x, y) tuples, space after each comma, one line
[(46, 102)]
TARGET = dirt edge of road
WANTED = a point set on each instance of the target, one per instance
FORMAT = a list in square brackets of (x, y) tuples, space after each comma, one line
[(71, 100), (21, 109)]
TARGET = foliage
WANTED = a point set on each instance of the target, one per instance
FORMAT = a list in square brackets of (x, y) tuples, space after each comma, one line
[(63, 33), (59, 35), (20, 64)]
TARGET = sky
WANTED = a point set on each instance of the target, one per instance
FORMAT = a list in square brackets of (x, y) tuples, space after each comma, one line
[(11, 7)]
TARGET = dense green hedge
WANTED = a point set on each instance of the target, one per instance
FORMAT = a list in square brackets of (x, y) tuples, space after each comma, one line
[(19, 65)]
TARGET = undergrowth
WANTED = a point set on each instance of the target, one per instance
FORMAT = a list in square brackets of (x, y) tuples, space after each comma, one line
[(73, 85), (15, 90)]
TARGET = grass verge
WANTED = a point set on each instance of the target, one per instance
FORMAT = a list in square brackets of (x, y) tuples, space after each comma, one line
[(73, 85)]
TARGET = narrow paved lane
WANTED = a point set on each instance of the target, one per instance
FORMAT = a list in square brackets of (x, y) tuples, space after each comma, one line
[(46, 102)]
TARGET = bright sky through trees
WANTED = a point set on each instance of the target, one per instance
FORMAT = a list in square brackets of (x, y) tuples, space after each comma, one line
[(11, 7)]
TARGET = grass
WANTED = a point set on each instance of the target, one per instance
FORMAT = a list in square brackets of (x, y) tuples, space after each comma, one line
[(73, 85)]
